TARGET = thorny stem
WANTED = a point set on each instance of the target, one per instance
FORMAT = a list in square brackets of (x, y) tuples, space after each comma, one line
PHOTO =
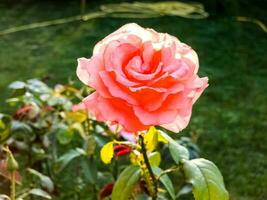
[(13, 186), (154, 180), (12, 173), (168, 171)]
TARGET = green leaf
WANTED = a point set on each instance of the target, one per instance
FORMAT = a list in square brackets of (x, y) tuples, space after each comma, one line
[(59, 101), (64, 160), (77, 116), (37, 86), (191, 146), (46, 182), (16, 85), (5, 126), (17, 126), (184, 190), (78, 127), (154, 158), (161, 138), (178, 152), (165, 180), (89, 169), (39, 192), (206, 179), (64, 134), (22, 130), (90, 145), (107, 152), (104, 177), (141, 197), (125, 184), (151, 139)]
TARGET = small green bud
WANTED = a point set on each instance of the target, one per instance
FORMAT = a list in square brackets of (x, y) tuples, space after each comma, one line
[(12, 164)]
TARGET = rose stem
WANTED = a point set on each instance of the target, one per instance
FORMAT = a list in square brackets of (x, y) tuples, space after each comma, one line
[(13, 186), (154, 180)]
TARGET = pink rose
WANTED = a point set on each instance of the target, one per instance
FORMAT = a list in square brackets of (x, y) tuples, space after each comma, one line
[(142, 78)]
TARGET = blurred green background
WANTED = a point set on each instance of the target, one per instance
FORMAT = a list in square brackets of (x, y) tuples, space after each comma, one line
[(230, 117)]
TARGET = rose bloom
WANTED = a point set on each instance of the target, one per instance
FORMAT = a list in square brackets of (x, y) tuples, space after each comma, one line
[(141, 78)]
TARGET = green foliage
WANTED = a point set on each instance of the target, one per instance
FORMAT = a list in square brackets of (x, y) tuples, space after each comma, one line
[(206, 179), (155, 158), (178, 152), (46, 181), (5, 125), (89, 168), (64, 133), (124, 186), (48, 137), (165, 180), (64, 160), (39, 192)]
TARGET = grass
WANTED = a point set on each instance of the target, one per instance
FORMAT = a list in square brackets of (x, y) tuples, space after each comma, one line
[(230, 117)]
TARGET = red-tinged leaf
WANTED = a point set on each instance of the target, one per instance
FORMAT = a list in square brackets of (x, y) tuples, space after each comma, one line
[(121, 150), (22, 111), (5, 173), (120, 147), (48, 108), (106, 190)]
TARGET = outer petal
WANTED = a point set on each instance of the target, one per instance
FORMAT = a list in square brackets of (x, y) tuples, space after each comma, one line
[(183, 117), (192, 56), (88, 73), (158, 117), (199, 90), (131, 30), (115, 111), (179, 123), (82, 72)]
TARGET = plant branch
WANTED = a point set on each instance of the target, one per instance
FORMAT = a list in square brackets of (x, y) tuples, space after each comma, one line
[(13, 186), (154, 180), (168, 171)]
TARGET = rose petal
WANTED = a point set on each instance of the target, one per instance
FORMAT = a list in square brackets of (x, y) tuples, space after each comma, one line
[(114, 110), (179, 123), (131, 30), (116, 89), (192, 56), (88, 73), (168, 54), (158, 117)]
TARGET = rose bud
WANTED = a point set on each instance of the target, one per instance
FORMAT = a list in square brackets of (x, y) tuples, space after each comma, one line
[(106, 191), (121, 150)]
